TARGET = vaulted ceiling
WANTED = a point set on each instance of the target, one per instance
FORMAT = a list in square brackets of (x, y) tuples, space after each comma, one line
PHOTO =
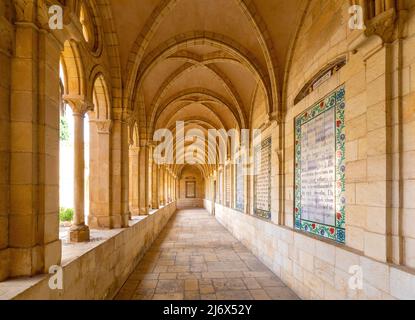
[(203, 61)]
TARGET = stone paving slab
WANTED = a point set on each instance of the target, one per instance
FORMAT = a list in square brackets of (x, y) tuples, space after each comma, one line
[(196, 258)]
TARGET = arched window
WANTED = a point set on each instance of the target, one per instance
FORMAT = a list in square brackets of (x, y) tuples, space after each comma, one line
[(90, 29), (85, 22)]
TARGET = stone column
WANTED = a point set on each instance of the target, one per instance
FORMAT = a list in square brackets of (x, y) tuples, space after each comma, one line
[(122, 220), (376, 67), (79, 232), (100, 189), (5, 64), (119, 214), (33, 220), (150, 177), (175, 187), (171, 186), (155, 186), (144, 194), (166, 186), (232, 182), (161, 186), (378, 189), (134, 181)]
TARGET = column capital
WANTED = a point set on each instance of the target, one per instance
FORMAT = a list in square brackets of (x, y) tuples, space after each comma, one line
[(35, 12), (123, 115), (6, 34), (144, 144), (152, 144), (103, 126), (79, 104), (25, 10), (134, 149)]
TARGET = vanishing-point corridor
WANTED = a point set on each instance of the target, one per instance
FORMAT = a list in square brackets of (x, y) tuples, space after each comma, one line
[(196, 258), (292, 120)]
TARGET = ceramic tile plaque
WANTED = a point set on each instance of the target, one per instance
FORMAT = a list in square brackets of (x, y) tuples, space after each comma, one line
[(320, 168), (220, 193), (228, 186), (239, 185), (262, 180)]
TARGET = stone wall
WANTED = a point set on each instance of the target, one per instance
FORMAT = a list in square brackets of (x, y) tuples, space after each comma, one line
[(100, 272), (189, 203), (190, 174), (407, 139), (6, 35), (379, 118), (380, 99), (314, 268)]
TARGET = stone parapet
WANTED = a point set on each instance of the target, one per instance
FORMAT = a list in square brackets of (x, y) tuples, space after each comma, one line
[(106, 263)]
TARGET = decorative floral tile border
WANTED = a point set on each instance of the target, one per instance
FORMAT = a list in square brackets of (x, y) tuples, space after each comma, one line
[(228, 183), (220, 187), (265, 146), (239, 186), (336, 232)]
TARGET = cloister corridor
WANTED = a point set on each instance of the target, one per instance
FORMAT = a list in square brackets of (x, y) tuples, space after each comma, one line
[(207, 150), (195, 258)]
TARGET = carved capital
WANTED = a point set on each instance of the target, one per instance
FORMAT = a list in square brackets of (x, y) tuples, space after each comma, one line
[(104, 126), (6, 36), (123, 115), (152, 144), (145, 144), (43, 14), (134, 150), (25, 10), (78, 104), (383, 25)]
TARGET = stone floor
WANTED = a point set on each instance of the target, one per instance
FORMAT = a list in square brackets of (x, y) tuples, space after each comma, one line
[(195, 258)]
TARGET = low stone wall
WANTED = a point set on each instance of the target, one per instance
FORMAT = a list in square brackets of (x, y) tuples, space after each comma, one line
[(314, 268), (189, 203), (100, 272)]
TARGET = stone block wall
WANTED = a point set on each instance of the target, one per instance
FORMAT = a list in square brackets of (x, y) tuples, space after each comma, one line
[(189, 203), (404, 175), (314, 268), (379, 118), (5, 57), (191, 175), (100, 272), (378, 79)]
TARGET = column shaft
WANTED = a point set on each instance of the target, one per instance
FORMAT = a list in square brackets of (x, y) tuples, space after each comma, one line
[(155, 197), (79, 232)]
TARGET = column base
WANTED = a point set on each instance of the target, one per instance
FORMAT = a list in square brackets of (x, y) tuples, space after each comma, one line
[(134, 211), (125, 220), (79, 234), (144, 211)]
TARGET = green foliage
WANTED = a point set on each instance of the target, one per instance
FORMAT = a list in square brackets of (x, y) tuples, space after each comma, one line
[(64, 130), (66, 214)]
